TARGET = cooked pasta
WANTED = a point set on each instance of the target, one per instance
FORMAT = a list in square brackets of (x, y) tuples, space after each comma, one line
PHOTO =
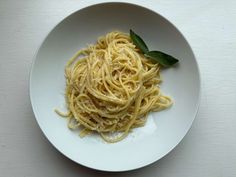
[(111, 87)]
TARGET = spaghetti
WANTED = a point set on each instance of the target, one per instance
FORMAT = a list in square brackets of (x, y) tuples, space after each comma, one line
[(111, 87)]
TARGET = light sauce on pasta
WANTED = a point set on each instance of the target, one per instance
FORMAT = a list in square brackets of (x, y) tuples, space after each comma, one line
[(111, 87)]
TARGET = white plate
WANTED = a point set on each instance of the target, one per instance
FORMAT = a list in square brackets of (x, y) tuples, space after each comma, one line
[(163, 131)]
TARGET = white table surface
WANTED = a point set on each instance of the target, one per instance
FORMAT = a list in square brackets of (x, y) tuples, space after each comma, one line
[(208, 150)]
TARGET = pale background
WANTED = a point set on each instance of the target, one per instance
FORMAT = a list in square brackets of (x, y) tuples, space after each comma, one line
[(208, 150)]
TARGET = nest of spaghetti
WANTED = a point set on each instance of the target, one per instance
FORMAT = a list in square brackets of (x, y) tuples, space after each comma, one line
[(111, 87)]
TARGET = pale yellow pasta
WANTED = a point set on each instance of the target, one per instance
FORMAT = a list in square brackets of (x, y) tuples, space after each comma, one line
[(111, 87)]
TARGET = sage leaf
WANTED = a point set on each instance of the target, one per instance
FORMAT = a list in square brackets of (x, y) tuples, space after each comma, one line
[(162, 58), (138, 41)]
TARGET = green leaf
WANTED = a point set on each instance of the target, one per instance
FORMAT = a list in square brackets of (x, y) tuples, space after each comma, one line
[(156, 56), (138, 41), (162, 58)]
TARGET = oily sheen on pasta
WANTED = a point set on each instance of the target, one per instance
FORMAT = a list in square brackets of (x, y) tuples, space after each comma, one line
[(111, 87)]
